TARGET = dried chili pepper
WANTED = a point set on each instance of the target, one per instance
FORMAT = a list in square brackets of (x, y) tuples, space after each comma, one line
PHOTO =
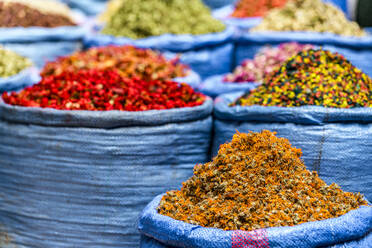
[(264, 62), (104, 90), (14, 14), (128, 61), (255, 8), (313, 77), (256, 181)]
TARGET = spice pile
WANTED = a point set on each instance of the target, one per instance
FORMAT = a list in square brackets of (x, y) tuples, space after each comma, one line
[(128, 61), (309, 15), (111, 7), (11, 63), (147, 18), (104, 90), (256, 181), (264, 62), (255, 8), (313, 77), (18, 13)]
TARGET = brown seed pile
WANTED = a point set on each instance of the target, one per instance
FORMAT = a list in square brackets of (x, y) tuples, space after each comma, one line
[(256, 181), (14, 14)]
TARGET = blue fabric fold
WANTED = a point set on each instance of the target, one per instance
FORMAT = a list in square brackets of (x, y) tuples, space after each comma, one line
[(160, 231), (243, 23), (26, 77), (215, 86)]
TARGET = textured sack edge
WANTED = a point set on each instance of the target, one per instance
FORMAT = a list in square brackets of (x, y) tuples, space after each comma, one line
[(24, 78), (214, 85), (302, 115), (102, 119), (170, 42), (193, 79), (265, 37), (223, 14), (173, 232)]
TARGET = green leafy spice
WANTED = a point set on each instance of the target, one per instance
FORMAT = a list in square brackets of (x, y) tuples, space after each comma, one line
[(139, 19), (11, 63)]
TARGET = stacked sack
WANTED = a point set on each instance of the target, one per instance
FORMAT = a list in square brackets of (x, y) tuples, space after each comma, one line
[(174, 27), (86, 148), (38, 29), (308, 21)]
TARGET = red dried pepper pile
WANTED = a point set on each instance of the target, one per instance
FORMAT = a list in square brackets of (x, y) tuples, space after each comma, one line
[(255, 8), (104, 90), (129, 61)]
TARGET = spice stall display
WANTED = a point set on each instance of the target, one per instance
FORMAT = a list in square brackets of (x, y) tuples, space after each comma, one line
[(83, 152), (322, 103), (256, 189), (128, 61), (39, 29), (308, 21), (246, 13), (252, 71), (15, 71), (175, 27)]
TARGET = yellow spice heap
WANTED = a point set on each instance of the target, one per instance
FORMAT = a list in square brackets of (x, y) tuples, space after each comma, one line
[(256, 181)]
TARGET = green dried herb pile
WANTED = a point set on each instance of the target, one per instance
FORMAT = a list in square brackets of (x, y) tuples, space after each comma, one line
[(140, 19), (309, 15), (256, 181), (313, 77), (11, 63)]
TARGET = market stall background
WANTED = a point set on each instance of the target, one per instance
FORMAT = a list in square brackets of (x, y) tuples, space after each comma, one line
[(82, 152)]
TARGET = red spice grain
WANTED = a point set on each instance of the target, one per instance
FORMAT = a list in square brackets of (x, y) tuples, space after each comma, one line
[(104, 90)]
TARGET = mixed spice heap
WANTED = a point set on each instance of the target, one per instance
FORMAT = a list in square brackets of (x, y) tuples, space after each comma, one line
[(140, 19), (255, 8), (128, 61), (41, 13), (264, 62), (256, 181), (104, 90), (11, 63), (313, 77), (309, 15)]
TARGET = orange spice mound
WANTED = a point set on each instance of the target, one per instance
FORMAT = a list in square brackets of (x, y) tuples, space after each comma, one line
[(256, 181)]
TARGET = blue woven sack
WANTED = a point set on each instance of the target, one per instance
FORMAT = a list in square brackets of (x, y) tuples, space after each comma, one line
[(357, 50), (337, 143), (89, 7), (208, 54), (16, 82), (213, 4), (341, 4), (42, 44), (243, 23), (193, 79), (81, 178), (215, 86), (351, 230)]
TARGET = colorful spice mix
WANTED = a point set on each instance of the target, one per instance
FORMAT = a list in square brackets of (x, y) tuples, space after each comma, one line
[(104, 90), (264, 62), (14, 14), (255, 8), (313, 77), (256, 181), (128, 61), (11, 63), (309, 15), (140, 19)]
